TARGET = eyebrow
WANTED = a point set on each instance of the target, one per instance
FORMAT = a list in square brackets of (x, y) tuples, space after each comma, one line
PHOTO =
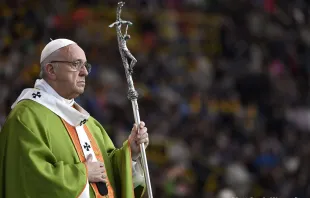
[(79, 60)]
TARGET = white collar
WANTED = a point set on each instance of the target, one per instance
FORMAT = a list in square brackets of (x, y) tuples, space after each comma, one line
[(44, 86), (45, 95)]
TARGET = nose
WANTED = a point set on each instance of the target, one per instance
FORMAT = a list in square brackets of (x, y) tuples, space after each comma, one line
[(83, 71)]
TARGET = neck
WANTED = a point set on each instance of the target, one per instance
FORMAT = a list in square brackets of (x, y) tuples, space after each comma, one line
[(59, 90)]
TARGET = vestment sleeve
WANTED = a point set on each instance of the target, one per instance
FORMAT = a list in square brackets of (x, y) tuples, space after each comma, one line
[(130, 183)]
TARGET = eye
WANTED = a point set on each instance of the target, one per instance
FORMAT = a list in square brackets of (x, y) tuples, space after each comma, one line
[(76, 64)]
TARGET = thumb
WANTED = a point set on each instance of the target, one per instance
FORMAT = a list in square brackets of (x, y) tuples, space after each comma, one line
[(89, 158)]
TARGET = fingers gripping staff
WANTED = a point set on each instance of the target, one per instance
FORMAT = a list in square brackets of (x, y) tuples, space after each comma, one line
[(132, 93)]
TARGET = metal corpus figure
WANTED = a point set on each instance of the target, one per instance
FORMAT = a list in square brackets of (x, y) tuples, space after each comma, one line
[(132, 93)]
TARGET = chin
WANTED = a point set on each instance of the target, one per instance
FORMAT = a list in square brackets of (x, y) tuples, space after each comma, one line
[(79, 91)]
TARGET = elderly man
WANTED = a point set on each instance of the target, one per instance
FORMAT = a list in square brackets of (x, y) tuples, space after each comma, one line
[(51, 147)]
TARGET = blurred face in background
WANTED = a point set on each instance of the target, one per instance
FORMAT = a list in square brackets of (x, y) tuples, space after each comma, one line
[(69, 71)]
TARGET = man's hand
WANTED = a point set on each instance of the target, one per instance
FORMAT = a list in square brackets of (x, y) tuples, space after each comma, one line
[(96, 170), (136, 138)]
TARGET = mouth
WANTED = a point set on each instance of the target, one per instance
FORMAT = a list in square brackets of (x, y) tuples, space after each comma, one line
[(81, 82)]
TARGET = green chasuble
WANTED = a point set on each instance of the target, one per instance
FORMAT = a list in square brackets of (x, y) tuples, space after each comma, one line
[(38, 158)]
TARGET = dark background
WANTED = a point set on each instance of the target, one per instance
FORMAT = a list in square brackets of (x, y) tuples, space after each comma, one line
[(223, 86)]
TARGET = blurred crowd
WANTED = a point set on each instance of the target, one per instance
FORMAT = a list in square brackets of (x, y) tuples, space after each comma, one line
[(223, 86)]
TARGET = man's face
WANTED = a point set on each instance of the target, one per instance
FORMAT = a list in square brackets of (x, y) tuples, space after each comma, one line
[(70, 81)]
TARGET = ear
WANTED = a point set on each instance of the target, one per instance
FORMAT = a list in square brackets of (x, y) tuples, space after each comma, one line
[(50, 71)]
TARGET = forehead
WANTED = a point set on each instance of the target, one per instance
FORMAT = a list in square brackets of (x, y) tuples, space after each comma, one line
[(73, 52)]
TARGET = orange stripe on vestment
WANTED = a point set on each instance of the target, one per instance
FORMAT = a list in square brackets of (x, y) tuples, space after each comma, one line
[(99, 158), (75, 139)]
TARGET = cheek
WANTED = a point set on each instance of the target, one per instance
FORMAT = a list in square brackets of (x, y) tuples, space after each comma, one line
[(73, 78), (68, 79)]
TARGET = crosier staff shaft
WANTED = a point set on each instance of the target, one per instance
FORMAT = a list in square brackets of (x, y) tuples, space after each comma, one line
[(132, 93)]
